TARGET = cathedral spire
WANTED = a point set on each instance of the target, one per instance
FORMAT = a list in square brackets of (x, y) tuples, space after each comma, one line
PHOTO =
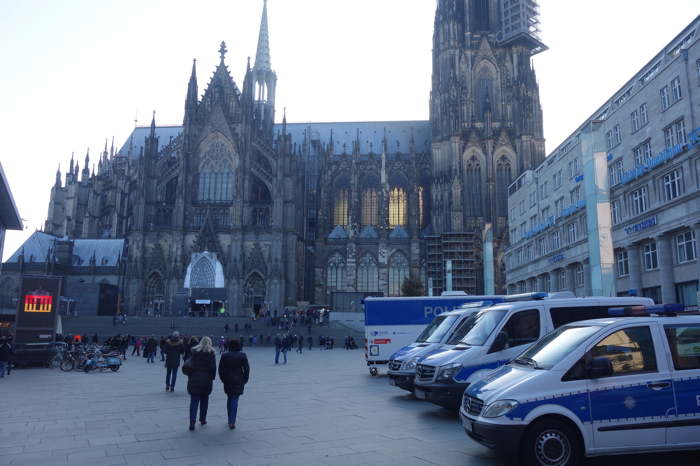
[(284, 122), (58, 176), (111, 149), (153, 124), (262, 57), (192, 97)]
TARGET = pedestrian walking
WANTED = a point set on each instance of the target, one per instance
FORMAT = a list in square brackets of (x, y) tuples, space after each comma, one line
[(150, 349), (200, 370), (278, 349), (5, 357), (300, 343), (137, 347), (311, 342), (161, 345), (234, 372), (174, 348)]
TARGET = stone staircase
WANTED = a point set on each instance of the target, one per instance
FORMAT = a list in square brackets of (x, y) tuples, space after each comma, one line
[(211, 326)]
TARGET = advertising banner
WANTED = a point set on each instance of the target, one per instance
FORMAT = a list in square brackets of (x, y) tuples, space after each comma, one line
[(37, 309)]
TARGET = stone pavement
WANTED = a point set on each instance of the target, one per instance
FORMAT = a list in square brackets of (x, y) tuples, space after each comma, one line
[(322, 408)]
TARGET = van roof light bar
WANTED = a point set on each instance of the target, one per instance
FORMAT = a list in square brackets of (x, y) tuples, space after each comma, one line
[(538, 295), (667, 310)]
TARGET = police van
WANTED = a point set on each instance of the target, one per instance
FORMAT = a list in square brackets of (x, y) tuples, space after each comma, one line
[(443, 332), (499, 333), (606, 386)]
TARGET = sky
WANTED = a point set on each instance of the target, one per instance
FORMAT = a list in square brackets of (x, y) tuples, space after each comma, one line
[(78, 72)]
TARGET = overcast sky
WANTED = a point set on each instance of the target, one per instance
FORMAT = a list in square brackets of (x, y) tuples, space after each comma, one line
[(77, 72)]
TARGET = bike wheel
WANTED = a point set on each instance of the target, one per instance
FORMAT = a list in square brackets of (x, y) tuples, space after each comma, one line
[(67, 365), (56, 362), (114, 368)]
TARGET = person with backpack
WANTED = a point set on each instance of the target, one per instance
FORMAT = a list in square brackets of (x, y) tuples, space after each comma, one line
[(200, 370), (234, 372)]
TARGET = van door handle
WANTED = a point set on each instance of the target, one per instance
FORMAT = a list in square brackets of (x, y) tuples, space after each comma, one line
[(658, 385)]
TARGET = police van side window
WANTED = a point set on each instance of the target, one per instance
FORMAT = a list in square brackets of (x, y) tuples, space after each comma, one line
[(630, 351), (566, 315), (684, 341), (522, 328)]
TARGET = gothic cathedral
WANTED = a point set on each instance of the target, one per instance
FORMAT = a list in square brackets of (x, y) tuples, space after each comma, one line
[(231, 208)]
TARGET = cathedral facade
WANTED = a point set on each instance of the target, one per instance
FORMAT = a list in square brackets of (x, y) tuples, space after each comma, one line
[(250, 214)]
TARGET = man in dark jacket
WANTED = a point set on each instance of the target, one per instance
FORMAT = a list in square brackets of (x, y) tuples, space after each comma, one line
[(151, 348), (234, 372), (278, 348), (174, 347), (5, 357)]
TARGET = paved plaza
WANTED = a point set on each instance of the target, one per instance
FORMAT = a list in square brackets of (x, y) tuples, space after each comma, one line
[(322, 408)]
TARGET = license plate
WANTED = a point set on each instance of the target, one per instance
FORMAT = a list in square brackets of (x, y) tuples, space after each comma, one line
[(467, 424), (392, 382), (421, 394)]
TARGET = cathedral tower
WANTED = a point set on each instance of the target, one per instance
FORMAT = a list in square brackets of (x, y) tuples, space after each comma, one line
[(487, 127)]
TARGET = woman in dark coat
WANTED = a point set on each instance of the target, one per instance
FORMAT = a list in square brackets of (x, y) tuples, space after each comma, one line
[(200, 372), (234, 372)]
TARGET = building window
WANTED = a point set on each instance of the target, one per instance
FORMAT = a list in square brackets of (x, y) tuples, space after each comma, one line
[(367, 275), (533, 199), (635, 120), (556, 180), (562, 279), (616, 209), (398, 272), (575, 195), (503, 180), (651, 260), (643, 115), (542, 247), (642, 153), (673, 184), (335, 274), (685, 247), (580, 277), (528, 252), (574, 168), (623, 265), (340, 208), (558, 206), (665, 98), (547, 283), (617, 135), (676, 93), (609, 141), (675, 133), (397, 207), (545, 214), (572, 230), (615, 172), (556, 240), (513, 235), (474, 201), (639, 201), (370, 207)]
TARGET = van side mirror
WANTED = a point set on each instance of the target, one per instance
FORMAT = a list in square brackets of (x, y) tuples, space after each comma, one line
[(598, 368), (499, 343)]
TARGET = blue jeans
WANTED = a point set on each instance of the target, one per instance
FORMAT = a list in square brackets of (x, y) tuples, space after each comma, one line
[(277, 356), (2, 368), (201, 401), (150, 357), (232, 408), (171, 376)]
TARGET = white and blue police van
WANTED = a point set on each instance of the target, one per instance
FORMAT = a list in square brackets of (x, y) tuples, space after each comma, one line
[(393, 323), (444, 332), (499, 333), (597, 387)]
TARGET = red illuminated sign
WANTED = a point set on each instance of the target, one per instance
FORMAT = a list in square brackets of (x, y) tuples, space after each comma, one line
[(38, 301)]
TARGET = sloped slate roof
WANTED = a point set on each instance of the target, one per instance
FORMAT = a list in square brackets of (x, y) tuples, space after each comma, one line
[(36, 246), (338, 233), (164, 133), (371, 135), (369, 232), (107, 251), (398, 233)]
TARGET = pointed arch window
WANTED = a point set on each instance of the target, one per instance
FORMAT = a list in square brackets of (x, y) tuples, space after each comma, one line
[(397, 207), (398, 272), (368, 275), (503, 180), (421, 206), (340, 207), (202, 274), (335, 273), (370, 207), (473, 185), (216, 175)]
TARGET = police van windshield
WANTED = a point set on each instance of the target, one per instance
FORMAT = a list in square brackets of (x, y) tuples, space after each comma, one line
[(462, 330), (434, 332), (555, 346), (483, 324)]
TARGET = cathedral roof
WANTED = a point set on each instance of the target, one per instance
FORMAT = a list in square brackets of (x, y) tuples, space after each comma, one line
[(338, 233), (369, 133), (345, 135), (369, 232), (164, 134), (398, 233), (106, 251)]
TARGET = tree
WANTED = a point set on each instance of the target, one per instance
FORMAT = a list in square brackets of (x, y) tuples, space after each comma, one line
[(412, 286)]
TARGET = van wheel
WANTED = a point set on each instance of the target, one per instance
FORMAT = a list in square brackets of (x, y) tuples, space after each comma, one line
[(551, 442), (373, 371)]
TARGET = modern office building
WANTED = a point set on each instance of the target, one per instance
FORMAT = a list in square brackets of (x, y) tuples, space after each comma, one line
[(615, 209)]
